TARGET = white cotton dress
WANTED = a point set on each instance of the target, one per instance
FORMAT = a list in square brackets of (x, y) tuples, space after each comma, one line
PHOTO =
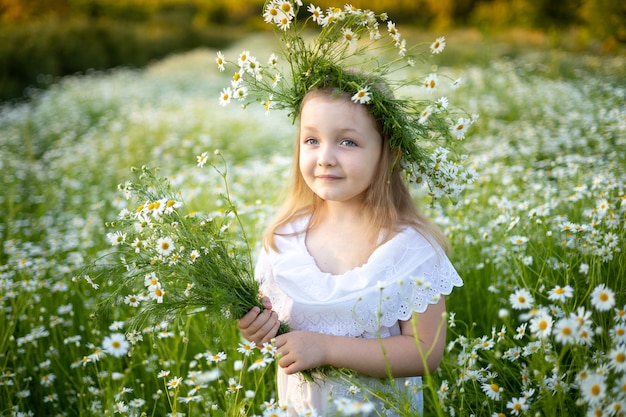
[(402, 276)]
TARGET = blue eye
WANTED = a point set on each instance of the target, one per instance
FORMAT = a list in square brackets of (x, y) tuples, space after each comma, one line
[(348, 142), (311, 141)]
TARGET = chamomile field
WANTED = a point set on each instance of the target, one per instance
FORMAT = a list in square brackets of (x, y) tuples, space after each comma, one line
[(538, 329)]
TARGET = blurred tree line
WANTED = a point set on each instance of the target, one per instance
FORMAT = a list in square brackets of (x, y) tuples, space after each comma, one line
[(60, 37)]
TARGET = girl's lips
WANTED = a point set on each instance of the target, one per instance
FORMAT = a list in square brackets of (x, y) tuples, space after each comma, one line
[(327, 177)]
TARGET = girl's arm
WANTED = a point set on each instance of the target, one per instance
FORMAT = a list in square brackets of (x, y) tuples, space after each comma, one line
[(404, 355)]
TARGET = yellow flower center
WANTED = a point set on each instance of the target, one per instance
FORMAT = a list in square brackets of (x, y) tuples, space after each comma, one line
[(595, 390)]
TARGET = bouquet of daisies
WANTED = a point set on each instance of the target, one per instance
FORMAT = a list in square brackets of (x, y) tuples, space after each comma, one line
[(168, 262)]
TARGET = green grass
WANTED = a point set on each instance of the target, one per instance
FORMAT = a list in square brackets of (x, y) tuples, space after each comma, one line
[(548, 209)]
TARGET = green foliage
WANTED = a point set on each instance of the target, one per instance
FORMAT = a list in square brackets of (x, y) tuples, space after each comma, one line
[(37, 53)]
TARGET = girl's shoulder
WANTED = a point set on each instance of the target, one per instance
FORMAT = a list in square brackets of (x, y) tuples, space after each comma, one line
[(408, 236)]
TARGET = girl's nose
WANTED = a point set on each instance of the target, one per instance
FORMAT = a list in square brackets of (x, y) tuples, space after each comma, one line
[(326, 156)]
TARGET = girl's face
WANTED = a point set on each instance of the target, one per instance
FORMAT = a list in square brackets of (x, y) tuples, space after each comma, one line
[(340, 148)]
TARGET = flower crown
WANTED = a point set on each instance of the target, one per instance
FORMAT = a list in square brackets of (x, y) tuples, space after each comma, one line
[(351, 55)]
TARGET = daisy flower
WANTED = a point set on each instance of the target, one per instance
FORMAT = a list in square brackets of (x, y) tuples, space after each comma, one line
[(541, 324), (175, 383), (165, 245), (202, 159), (617, 358), (442, 103), (243, 58), (431, 82), (171, 205), (520, 331), (218, 357), (349, 36), (137, 403), (516, 240), (362, 96), (96, 355), (564, 330), (316, 13), (438, 46), (47, 380), (233, 385), (252, 66), (193, 256), (284, 23), (593, 389), (221, 60), (584, 337), (492, 390), (393, 31), (559, 293), (116, 345), (272, 61), (375, 35), (458, 130), (121, 408), (602, 298), (240, 93), (517, 405), (116, 238), (286, 8), (618, 333), (513, 353), (151, 281), (157, 294), (602, 207), (582, 317), (276, 79), (521, 299), (268, 349), (261, 362), (425, 114), (246, 348), (268, 104), (225, 96), (271, 13)]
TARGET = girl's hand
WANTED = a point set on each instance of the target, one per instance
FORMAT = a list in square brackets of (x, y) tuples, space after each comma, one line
[(259, 326), (301, 350)]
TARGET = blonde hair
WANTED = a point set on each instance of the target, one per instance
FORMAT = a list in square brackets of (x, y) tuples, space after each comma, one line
[(388, 205)]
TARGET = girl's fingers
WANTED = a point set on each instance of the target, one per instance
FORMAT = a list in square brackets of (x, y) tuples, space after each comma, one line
[(248, 318)]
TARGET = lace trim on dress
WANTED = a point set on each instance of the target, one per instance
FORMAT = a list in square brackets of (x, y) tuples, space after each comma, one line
[(403, 276)]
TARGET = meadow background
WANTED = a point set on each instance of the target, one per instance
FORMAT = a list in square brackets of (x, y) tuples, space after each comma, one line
[(539, 327)]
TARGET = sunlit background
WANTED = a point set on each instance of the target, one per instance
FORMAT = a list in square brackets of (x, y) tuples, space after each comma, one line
[(43, 38)]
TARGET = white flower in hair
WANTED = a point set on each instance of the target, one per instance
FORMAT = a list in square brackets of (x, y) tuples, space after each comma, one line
[(362, 96)]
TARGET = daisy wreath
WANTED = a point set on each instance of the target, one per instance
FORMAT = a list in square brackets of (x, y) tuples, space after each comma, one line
[(350, 53)]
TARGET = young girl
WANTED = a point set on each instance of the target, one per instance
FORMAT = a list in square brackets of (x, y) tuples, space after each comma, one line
[(351, 265)]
